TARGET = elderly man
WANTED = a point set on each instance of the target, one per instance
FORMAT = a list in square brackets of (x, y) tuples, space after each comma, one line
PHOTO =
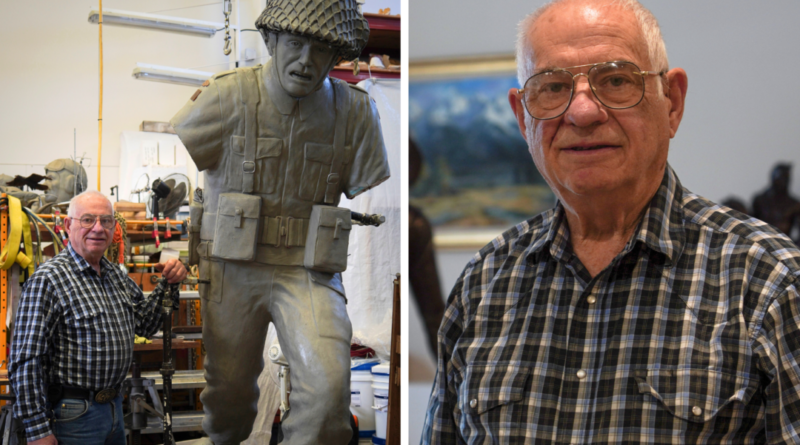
[(74, 332), (634, 311), (277, 143)]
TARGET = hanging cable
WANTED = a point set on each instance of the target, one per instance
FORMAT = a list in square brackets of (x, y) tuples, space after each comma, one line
[(100, 112), (226, 9)]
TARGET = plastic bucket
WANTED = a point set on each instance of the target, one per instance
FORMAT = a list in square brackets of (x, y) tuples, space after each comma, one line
[(378, 441), (380, 395), (361, 400)]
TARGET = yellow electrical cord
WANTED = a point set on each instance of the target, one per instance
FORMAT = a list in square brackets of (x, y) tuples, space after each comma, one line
[(100, 114)]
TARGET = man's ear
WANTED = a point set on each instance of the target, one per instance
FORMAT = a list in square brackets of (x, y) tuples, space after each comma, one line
[(68, 225), (270, 39), (515, 100), (677, 85)]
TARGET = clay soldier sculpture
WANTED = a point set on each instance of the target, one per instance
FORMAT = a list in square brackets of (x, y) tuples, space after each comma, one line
[(65, 179), (776, 206), (279, 144)]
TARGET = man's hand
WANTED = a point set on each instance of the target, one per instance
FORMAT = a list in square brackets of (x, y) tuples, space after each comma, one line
[(172, 270), (47, 440)]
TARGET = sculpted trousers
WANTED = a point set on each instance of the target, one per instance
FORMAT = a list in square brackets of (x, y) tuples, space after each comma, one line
[(309, 313)]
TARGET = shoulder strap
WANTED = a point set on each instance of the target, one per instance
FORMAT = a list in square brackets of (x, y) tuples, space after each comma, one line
[(251, 96), (341, 94)]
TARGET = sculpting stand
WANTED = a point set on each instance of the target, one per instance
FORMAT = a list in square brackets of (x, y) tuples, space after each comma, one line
[(167, 367), (137, 399)]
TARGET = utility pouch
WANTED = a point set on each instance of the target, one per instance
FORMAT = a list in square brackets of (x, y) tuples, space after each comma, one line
[(196, 216), (328, 237), (236, 231)]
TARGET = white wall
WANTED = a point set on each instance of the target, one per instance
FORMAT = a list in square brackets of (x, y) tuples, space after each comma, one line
[(50, 83), (741, 110)]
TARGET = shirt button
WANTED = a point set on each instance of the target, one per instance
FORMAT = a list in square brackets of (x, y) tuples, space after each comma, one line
[(581, 374), (697, 411), (473, 403), (591, 299)]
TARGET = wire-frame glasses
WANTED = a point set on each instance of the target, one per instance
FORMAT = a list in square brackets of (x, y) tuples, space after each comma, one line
[(617, 85)]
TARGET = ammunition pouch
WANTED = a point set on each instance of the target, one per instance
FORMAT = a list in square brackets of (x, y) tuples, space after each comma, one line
[(236, 228), (328, 238)]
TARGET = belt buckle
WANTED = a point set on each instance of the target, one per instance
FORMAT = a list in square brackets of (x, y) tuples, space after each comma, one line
[(249, 167), (105, 396)]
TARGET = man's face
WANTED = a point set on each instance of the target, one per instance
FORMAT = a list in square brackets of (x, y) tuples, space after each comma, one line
[(57, 185), (591, 149), (302, 63), (90, 243)]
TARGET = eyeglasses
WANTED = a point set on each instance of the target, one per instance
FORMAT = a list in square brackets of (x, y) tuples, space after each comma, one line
[(88, 220), (617, 85)]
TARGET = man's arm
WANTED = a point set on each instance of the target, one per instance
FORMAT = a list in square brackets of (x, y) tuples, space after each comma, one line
[(147, 311), (777, 348), (440, 427), (30, 351)]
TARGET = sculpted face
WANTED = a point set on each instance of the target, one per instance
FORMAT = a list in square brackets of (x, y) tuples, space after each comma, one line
[(302, 62), (90, 243), (591, 149)]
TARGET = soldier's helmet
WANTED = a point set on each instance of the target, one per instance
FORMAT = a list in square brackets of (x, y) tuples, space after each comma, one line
[(336, 22)]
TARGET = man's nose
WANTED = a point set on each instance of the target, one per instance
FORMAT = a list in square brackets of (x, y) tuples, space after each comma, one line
[(585, 109), (305, 54)]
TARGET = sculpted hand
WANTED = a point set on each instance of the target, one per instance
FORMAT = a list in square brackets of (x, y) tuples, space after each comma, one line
[(172, 270), (47, 440)]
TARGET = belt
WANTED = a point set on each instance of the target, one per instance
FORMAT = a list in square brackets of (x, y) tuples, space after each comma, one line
[(71, 392), (278, 231)]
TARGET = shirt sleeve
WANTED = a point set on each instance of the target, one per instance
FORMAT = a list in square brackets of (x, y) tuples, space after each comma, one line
[(777, 346), (147, 309), (199, 126), (34, 325), (369, 166), (440, 427)]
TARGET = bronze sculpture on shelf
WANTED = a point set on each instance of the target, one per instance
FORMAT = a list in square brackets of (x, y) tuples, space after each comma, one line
[(776, 206), (279, 144)]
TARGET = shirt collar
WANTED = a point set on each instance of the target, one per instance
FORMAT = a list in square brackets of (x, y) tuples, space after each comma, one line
[(661, 228), (318, 100), (80, 264)]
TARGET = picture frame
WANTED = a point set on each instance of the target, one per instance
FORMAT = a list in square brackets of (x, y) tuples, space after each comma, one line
[(478, 178)]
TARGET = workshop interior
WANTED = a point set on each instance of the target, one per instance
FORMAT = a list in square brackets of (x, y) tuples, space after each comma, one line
[(92, 95)]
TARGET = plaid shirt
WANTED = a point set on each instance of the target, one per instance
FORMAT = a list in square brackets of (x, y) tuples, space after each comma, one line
[(690, 335), (75, 328)]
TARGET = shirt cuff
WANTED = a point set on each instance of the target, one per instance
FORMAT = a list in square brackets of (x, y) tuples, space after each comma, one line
[(37, 427)]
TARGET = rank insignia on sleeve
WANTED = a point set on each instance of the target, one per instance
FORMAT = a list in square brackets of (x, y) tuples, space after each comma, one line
[(196, 93)]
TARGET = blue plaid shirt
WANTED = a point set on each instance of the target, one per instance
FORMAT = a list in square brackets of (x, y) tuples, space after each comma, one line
[(75, 328), (690, 335)]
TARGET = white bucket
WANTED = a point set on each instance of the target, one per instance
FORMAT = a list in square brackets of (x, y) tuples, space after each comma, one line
[(361, 401), (380, 395)]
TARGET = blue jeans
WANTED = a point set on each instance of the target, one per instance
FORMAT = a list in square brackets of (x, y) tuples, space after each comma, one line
[(83, 422)]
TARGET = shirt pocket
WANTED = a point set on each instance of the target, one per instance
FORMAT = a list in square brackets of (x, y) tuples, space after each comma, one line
[(88, 325), (267, 164), (488, 387), (317, 159), (694, 395)]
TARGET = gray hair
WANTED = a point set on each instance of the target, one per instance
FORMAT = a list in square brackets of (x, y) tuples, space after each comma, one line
[(80, 197), (656, 49)]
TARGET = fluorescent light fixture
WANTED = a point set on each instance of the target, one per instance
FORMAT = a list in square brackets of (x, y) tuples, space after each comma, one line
[(163, 22), (168, 74)]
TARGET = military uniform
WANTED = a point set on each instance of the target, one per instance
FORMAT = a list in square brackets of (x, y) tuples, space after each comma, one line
[(299, 152)]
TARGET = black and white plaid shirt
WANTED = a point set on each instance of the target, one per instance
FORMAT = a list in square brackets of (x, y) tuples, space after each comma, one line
[(690, 335), (75, 328)]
